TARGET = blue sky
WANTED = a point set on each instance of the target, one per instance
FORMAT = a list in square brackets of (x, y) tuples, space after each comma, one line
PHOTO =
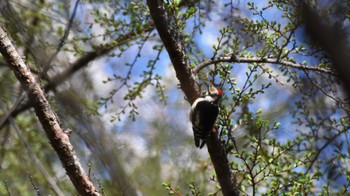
[(150, 108)]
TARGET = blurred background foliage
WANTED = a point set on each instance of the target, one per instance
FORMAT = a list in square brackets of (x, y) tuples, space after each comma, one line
[(284, 119)]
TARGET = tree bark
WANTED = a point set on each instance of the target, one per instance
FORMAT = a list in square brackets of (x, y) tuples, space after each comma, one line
[(58, 137), (333, 39), (190, 88)]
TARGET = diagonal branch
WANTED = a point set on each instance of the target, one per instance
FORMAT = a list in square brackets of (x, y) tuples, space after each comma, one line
[(51, 180), (324, 146), (190, 88), (47, 66), (93, 55), (262, 60), (175, 50), (80, 63), (59, 138)]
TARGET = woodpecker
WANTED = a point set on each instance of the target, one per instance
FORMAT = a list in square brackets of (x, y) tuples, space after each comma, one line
[(203, 114)]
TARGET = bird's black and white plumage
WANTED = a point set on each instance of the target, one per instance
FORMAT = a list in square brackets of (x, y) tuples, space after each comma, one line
[(204, 112)]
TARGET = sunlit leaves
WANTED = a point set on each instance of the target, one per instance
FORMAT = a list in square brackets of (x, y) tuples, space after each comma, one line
[(193, 189), (136, 89), (277, 39)]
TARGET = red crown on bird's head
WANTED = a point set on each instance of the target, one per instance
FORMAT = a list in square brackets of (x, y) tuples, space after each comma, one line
[(213, 90), (220, 91)]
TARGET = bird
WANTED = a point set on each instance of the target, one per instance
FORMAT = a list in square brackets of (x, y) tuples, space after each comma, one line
[(203, 114)]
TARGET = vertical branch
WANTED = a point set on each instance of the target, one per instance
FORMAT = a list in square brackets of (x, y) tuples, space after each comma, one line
[(59, 138), (332, 38), (190, 88)]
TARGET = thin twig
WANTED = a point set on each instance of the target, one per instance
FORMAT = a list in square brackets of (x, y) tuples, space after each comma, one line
[(322, 148), (39, 165), (262, 60), (62, 40), (80, 63), (58, 138)]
